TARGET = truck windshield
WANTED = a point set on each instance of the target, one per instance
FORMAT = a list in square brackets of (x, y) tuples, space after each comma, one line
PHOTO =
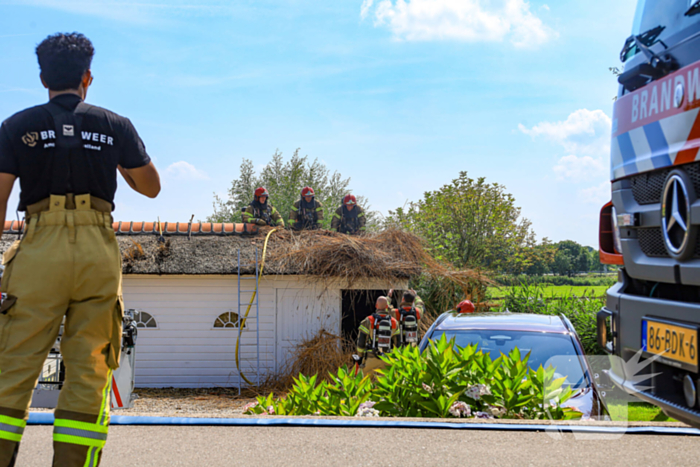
[(656, 20), (545, 349)]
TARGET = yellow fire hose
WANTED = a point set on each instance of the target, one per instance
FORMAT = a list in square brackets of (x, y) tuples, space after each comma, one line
[(252, 299)]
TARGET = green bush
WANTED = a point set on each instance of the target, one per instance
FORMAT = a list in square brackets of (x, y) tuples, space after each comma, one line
[(341, 397), (443, 382), (581, 311)]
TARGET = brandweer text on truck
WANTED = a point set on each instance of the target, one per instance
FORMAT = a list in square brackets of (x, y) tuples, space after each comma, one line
[(652, 226)]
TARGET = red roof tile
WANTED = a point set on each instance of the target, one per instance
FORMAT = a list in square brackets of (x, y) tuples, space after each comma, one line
[(167, 228)]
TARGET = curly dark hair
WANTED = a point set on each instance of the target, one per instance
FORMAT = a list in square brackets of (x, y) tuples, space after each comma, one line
[(409, 296), (63, 59)]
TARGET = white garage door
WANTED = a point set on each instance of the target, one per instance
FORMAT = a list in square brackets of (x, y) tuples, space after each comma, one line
[(301, 313)]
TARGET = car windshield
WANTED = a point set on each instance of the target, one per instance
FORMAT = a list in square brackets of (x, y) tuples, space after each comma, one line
[(656, 20), (545, 349)]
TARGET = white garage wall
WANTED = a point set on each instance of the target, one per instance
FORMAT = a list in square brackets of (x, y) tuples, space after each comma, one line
[(186, 351)]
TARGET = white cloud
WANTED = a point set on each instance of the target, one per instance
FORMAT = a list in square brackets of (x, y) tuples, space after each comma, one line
[(185, 171), (583, 132), (464, 20), (598, 194), (364, 9), (585, 136), (582, 168)]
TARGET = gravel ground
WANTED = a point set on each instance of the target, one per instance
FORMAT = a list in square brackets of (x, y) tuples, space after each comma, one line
[(178, 402), (214, 402)]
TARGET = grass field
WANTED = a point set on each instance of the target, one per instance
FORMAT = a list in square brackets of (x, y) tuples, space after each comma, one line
[(638, 412), (558, 290)]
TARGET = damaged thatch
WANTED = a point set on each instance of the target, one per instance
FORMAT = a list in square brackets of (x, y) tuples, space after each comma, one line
[(320, 355), (390, 254)]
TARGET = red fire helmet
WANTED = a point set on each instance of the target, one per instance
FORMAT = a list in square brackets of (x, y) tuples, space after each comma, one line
[(307, 191), (349, 199), (465, 306), (262, 191)]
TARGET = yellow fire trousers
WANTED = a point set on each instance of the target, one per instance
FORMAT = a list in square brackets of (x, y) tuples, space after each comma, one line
[(373, 363), (67, 265)]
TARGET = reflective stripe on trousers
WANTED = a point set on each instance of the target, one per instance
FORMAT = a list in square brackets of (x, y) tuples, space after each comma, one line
[(11, 428), (93, 435)]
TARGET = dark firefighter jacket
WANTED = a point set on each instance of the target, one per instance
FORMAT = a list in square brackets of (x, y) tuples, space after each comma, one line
[(305, 215), (262, 214), (351, 222)]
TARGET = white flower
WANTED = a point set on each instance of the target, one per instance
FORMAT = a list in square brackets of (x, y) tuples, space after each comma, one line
[(482, 415), (427, 388), (475, 392), (460, 409), (270, 409), (367, 412), (366, 405), (249, 406), (496, 411)]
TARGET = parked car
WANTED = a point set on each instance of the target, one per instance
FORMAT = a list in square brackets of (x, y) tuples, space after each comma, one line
[(551, 340)]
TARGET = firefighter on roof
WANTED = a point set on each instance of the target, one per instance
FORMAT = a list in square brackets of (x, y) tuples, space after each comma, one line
[(378, 334), (349, 218), (260, 212), (66, 154), (306, 213)]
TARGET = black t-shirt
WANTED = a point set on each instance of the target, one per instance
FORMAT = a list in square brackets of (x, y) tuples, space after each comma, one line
[(27, 145)]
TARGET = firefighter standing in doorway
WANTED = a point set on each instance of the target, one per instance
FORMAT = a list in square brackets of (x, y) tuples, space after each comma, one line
[(378, 335), (306, 213), (349, 218), (260, 212), (408, 316), (66, 155)]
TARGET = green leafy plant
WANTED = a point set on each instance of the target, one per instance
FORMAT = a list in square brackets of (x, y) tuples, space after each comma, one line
[(444, 381), (311, 396), (346, 392)]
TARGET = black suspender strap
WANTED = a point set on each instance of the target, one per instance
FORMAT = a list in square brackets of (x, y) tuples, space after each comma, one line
[(71, 166)]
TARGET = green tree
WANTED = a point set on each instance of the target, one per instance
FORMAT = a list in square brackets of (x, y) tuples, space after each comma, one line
[(563, 263), (542, 258), (572, 258), (284, 181), (469, 223), (583, 262)]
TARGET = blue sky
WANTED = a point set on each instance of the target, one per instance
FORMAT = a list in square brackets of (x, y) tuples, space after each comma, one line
[(398, 95)]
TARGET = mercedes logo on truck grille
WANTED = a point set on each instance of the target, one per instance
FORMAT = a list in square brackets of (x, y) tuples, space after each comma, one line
[(678, 231)]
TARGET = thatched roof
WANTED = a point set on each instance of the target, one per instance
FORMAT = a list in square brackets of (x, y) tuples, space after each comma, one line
[(387, 255)]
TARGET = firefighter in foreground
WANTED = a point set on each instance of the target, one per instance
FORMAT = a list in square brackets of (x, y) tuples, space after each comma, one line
[(66, 155), (378, 335), (306, 213), (260, 212), (349, 218), (408, 316)]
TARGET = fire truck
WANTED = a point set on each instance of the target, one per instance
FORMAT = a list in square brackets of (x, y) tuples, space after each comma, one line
[(651, 228)]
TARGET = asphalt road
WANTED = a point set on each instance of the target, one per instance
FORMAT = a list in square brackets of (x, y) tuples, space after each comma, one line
[(145, 446)]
